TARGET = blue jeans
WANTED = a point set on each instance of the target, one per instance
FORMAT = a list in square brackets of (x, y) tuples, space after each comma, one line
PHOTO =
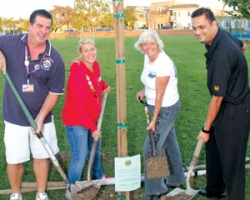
[(165, 138), (80, 142)]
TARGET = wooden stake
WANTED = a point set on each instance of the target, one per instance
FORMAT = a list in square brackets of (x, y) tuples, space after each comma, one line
[(120, 80)]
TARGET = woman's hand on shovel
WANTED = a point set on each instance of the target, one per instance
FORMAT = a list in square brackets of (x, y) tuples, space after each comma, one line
[(97, 134), (151, 126)]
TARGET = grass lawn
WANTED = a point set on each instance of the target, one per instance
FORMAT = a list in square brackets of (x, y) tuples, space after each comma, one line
[(188, 55)]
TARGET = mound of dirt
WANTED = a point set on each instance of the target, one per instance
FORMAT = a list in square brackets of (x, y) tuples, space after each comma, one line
[(180, 196)]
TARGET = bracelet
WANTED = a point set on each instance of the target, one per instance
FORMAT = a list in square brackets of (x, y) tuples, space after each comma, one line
[(205, 131)]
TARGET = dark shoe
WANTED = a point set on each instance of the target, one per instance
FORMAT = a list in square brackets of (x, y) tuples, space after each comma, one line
[(211, 195), (154, 197), (176, 186)]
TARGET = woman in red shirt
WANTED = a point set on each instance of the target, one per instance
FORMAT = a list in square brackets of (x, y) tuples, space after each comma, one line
[(81, 110)]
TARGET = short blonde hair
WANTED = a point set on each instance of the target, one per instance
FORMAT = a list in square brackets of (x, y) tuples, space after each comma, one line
[(85, 41), (147, 35)]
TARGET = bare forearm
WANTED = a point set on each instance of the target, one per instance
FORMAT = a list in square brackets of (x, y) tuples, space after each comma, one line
[(161, 84), (158, 104), (213, 110), (48, 106)]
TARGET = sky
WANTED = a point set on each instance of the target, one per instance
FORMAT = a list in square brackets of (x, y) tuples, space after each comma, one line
[(23, 8)]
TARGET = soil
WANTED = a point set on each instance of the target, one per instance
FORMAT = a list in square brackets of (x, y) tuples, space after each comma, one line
[(157, 167), (107, 192), (180, 196), (88, 193)]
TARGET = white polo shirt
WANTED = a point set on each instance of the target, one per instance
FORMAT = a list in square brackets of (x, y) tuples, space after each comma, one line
[(162, 66)]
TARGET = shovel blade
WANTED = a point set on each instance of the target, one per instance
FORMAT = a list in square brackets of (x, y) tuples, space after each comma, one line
[(179, 193), (157, 166), (85, 190)]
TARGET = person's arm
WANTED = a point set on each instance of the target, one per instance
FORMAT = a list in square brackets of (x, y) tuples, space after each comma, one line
[(105, 86), (244, 46), (107, 90), (213, 110), (140, 94), (48, 105), (161, 84), (2, 63)]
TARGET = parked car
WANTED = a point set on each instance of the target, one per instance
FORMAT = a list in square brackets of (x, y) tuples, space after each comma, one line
[(140, 28), (69, 31), (102, 29), (166, 27)]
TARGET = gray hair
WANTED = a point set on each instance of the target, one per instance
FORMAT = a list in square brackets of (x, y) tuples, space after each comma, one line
[(85, 41), (148, 35)]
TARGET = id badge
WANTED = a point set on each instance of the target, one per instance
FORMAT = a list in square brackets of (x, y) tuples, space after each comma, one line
[(28, 88)]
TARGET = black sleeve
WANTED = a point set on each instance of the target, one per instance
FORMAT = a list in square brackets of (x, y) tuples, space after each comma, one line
[(241, 43)]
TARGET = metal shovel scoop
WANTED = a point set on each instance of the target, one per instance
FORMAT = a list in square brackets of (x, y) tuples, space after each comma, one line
[(189, 193), (88, 190)]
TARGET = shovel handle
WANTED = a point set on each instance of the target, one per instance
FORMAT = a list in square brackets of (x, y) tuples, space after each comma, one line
[(152, 141), (150, 133), (34, 125), (99, 123), (193, 161)]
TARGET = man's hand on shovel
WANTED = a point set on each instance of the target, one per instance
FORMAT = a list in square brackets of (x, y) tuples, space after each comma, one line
[(2, 63)]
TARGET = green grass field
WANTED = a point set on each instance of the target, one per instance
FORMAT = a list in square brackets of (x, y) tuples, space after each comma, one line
[(188, 55)]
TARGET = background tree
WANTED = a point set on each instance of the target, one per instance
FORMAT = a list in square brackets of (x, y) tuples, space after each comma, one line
[(90, 12), (8, 24), (107, 20), (241, 8), (129, 16), (62, 17), (22, 24), (78, 23)]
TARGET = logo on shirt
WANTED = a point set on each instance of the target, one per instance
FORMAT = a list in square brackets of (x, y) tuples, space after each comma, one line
[(151, 75), (46, 65), (216, 88)]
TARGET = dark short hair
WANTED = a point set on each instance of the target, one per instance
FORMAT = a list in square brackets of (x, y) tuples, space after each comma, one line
[(40, 12), (204, 11)]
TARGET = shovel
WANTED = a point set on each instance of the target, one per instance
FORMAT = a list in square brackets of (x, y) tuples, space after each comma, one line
[(189, 193), (156, 163), (33, 124), (88, 190)]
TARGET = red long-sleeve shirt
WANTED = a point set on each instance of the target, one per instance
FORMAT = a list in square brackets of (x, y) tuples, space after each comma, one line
[(82, 104)]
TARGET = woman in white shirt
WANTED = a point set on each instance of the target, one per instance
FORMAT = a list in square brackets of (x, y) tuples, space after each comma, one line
[(159, 77)]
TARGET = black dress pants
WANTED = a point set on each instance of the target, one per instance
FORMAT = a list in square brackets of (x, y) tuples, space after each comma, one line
[(226, 151)]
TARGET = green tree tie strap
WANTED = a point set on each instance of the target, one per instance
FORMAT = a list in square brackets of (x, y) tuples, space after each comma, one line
[(118, 15), (120, 61), (122, 125)]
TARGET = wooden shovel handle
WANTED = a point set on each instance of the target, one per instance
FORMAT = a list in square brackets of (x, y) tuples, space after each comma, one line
[(193, 161), (152, 141), (150, 132), (93, 150)]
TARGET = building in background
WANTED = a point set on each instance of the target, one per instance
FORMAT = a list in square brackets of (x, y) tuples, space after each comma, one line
[(176, 15), (181, 15), (141, 13)]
